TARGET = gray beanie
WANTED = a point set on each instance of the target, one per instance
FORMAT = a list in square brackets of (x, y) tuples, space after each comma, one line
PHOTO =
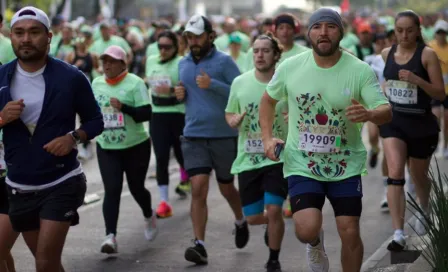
[(325, 15)]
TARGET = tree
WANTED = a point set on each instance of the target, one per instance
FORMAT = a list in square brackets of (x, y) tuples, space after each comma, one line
[(41, 4)]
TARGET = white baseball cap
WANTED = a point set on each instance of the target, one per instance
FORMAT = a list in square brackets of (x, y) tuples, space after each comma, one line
[(198, 24), (441, 25), (31, 13)]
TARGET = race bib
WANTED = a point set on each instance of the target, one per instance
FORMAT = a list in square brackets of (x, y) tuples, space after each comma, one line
[(254, 146), (159, 81), (445, 79), (320, 139), (402, 92), (113, 119)]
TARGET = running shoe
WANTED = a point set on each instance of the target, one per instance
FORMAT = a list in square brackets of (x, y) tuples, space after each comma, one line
[(151, 229), (196, 254), (109, 245), (421, 225), (183, 189), (373, 158), (287, 212), (384, 203), (398, 243), (273, 266), (317, 258), (241, 235), (164, 210)]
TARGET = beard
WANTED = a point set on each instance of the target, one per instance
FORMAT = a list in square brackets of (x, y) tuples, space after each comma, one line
[(266, 68), (200, 51), (325, 52), (30, 53)]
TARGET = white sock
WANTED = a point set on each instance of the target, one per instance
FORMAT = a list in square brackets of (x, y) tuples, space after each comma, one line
[(240, 222), (163, 189), (202, 243), (398, 234)]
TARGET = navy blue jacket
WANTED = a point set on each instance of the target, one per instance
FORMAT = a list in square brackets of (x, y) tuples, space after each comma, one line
[(67, 93)]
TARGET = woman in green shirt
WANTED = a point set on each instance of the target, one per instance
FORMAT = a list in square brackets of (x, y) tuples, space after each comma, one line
[(124, 146), (168, 115)]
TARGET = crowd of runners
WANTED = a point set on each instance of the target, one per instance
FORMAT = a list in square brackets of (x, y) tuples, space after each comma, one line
[(276, 102)]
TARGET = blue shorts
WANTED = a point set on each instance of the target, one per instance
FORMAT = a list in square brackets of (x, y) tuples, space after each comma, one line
[(345, 195)]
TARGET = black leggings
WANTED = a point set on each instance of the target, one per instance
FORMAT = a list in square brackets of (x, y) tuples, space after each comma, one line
[(134, 162), (166, 129)]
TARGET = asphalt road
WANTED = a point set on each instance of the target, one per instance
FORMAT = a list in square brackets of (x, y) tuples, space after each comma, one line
[(166, 253)]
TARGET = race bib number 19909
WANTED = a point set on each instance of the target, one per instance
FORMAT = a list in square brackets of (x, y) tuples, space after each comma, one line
[(319, 143)]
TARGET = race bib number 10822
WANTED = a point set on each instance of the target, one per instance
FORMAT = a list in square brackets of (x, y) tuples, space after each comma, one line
[(402, 92)]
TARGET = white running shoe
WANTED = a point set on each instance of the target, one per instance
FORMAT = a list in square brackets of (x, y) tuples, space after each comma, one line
[(317, 258), (151, 227), (420, 223), (109, 246), (384, 204), (397, 244)]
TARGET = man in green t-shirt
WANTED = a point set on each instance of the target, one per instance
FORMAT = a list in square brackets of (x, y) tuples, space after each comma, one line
[(330, 95), (6, 51), (261, 181), (284, 30)]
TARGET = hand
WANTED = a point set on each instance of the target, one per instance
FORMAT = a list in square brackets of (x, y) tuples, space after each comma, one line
[(179, 91), (405, 75), (203, 80), (357, 113), (163, 89), (60, 146), (236, 120), (115, 103), (12, 111), (79, 63), (269, 148)]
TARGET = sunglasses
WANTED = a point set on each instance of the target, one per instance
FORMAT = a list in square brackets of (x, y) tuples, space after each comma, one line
[(165, 46)]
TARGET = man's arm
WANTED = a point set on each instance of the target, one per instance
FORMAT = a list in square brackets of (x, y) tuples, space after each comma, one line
[(381, 115), (230, 72), (88, 109), (267, 114)]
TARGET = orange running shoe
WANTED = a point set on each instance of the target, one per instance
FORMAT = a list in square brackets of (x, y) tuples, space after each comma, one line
[(287, 212), (164, 210)]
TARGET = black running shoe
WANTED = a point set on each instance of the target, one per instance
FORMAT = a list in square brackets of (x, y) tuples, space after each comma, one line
[(395, 246), (196, 254), (373, 159), (273, 266), (241, 235)]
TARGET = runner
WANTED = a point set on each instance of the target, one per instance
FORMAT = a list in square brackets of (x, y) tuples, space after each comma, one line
[(46, 184), (6, 52), (65, 46), (377, 63), (238, 56), (413, 133), (168, 117), (82, 59), (86, 63), (7, 234), (208, 142), (285, 28), (261, 181), (440, 46), (324, 154), (124, 146)]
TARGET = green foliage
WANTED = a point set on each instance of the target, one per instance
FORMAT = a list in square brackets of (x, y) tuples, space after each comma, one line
[(41, 4), (436, 224)]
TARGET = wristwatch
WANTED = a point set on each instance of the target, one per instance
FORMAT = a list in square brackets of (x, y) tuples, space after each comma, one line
[(75, 137)]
